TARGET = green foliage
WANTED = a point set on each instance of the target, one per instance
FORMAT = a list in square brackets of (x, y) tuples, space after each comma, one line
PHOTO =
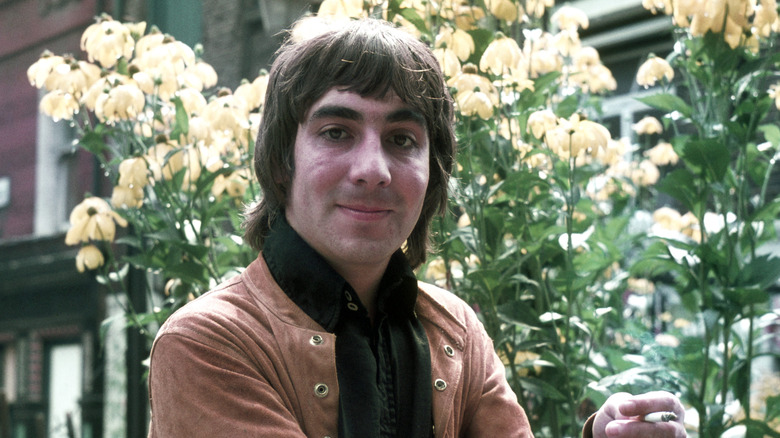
[(545, 237)]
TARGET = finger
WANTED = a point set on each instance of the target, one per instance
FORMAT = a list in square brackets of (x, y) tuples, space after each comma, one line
[(634, 428), (656, 401)]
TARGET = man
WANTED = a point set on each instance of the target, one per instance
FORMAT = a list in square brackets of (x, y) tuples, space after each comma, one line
[(328, 333)]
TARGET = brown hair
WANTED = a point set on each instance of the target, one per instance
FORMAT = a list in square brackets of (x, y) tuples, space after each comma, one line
[(369, 57)]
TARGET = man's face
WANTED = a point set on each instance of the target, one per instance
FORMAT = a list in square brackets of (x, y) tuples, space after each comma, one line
[(361, 173)]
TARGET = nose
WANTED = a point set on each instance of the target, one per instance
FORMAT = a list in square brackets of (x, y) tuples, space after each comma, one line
[(371, 164)]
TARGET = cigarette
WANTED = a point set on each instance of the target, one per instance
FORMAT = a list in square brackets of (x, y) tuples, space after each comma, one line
[(660, 417)]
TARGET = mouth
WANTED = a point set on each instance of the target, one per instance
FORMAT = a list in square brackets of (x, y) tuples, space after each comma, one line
[(364, 212)]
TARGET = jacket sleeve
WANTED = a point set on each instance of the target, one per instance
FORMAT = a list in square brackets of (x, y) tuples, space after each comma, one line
[(495, 411), (197, 389)]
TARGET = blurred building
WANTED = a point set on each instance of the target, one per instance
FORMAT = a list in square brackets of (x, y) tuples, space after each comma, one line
[(56, 374), (57, 377)]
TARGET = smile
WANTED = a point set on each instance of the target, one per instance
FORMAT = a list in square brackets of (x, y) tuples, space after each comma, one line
[(365, 213)]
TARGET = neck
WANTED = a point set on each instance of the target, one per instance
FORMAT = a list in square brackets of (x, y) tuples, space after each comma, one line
[(365, 280)]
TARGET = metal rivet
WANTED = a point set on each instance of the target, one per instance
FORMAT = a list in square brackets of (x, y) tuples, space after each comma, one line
[(320, 390), (352, 306), (348, 295), (440, 385), (316, 340), (449, 351)]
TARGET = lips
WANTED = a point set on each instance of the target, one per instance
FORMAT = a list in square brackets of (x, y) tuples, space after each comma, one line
[(365, 212)]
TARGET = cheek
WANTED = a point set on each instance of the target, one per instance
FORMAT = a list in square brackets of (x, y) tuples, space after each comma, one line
[(417, 184)]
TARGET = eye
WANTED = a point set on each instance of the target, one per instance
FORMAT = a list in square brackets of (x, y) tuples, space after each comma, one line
[(334, 133), (403, 141)]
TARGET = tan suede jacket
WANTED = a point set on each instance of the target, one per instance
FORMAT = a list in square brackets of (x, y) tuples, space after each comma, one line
[(245, 361)]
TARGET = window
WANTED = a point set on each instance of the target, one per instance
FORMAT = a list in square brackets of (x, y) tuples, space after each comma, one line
[(55, 170), (64, 378)]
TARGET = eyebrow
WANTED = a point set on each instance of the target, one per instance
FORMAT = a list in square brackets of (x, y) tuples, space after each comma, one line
[(400, 115)]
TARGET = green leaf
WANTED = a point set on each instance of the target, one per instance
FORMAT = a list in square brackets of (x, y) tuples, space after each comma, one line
[(772, 407), (94, 140), (542, 388), (568, 106), (188, 272), (667, 103), (414, 18), (709, 157), (182, 125), (681, 185), (771, 133), (519, 313), (762, 272)]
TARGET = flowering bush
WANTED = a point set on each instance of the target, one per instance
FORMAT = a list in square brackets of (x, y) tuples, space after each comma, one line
[(177, 154), (719, 108), (547, 236)]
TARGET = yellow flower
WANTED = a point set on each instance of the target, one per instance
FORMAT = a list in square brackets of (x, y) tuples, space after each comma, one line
[(199, 76), (106, 41), (160, 80), (234, 185), (665, 6), (648, 125), (539, 122), (253, 93), (93, 219), (506, 10), (89, 257), (593, 137), (72, 76), (585, 57), (642, 286), (126, 196), (40, 70), (466, 17), (668, 218), (500, 55), (713, 15), (475, 94), (544, 61), (469, 79), (645, 174), (123, 102), (228, 115), (448, 60), (524, 359), (342, 8), (464, 221), (200, 130), (598, 79), (568, 43), (570, 18), (774, 93), (662, 154), (766, 19), (164, 160), (474, 102), (458, 40), (59, 105), (667, 340), (690, 226), (133, 172), (575, 138), (192, 100), (652, 70), (102, 86), (537, 8), (163, 50), (436, 270)]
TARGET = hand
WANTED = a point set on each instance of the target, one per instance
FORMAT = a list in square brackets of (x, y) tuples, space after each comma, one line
[(623, 416)]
